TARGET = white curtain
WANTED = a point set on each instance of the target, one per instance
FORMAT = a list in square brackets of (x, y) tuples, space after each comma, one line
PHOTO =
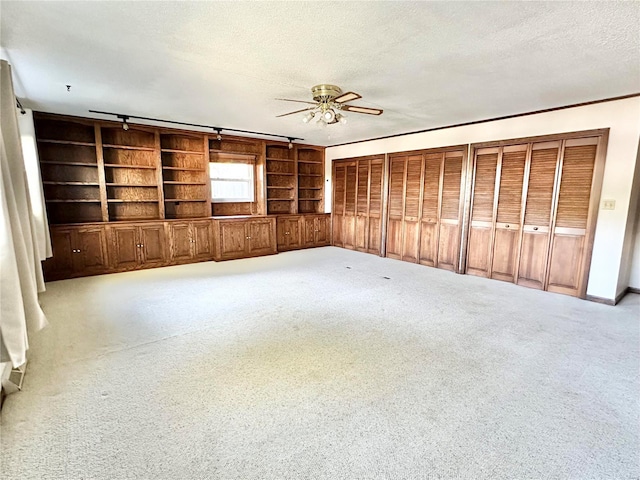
[(20, 268)]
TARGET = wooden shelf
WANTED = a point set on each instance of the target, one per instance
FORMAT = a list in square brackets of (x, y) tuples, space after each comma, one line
[(67, 142), (78, 200), (171, 182), (190, 152), (310, 161), (127, 147), (279, 187), (138, 167), (280, 199), (83, 184), (71, 164), (185, 200), (184, 169), (233, 152), (123, 200), (310, 188), (310, 175), (145, 185), (284, 174), (309, 199), (280, 159)]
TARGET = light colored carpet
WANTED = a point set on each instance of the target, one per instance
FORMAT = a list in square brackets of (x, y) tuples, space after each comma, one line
[(312, 365)]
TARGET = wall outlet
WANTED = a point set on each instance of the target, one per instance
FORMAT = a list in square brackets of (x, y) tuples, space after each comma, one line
[(608, 204)]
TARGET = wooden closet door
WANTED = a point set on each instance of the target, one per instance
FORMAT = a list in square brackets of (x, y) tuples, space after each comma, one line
[(450, 219), (412, 204), (395, 206), (568, 243), (339, 179), (538, 214), (362, 206), (376, 174), (508, 215), (430, 209), (350, 206), (482, 212)]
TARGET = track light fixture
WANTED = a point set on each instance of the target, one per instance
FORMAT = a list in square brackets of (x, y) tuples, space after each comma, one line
[(125, 118), (125, 125), (291, 142)]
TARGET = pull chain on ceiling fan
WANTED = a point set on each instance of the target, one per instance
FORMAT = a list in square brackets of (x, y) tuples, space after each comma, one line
[(329, 104)]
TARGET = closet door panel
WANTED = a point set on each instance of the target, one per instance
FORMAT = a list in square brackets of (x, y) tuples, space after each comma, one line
[(569, 234), (396, 207), (339, 179), (451, 211), (375, 206), (480, 230), (430, 208), (538, 214), (362, 207), (412, 208), (361, 233), (507, 227), (350, 206)]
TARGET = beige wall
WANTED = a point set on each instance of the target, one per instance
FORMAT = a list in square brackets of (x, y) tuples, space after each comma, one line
[(612, 239)]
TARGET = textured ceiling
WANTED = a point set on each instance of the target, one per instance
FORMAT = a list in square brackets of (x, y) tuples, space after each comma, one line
[(427, 64)]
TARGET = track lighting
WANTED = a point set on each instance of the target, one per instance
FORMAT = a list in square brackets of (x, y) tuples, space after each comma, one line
[(218, 130), (290, 143), (125, 125)]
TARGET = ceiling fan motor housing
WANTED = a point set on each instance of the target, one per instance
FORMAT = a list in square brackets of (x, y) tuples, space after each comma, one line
[(325, 92)]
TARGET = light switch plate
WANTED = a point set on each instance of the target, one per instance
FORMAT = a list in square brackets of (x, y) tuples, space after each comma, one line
[(608, 204)]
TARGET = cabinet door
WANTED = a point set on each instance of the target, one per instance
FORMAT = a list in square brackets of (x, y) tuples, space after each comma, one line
[(202, 236), (282, 232), (507, 229), (233, 239), (568, 242), (91, 251), (482, 208), (339, 181), (153, 244), (321, 230), (537, 215), (61, 264), (181, 241), (294, 233), (125, 250), (308, 231), (262, 239)]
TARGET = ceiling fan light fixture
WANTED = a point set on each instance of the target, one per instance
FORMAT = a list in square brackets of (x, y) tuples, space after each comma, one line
[(329, 116), (341, 118), (308, 117)]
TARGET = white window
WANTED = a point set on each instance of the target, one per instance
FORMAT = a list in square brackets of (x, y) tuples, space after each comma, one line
[(231, 182)]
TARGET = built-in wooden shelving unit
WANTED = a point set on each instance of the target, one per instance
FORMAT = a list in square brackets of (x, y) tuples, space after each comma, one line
[(281, 178)]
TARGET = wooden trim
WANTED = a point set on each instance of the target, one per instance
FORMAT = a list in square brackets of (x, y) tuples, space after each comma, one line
[(422, 151), (206, 166), (368, 220), (418, 220), (438, 208), (466, 215), (496, 197), (594, 203), (365, 157), (495, 119), (523, 206), (603, 301), (633, 290), (104, 205), (542, 138), (159, 173), (296, 184)]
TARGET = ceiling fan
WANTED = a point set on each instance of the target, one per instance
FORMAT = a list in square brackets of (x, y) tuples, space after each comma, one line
[(329, 104)]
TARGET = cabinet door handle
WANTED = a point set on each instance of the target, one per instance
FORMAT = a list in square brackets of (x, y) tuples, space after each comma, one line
[(535, 228), (507, 226)]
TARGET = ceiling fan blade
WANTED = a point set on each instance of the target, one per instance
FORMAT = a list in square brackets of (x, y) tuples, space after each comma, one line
[(298, 101), (291, 113), (367, 110), (347, 97)]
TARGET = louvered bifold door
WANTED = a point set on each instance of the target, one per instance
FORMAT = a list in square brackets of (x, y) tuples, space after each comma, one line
[(430, 208), (337, 213), (509, 210), (568, 237), (451, 212), (412, 207), (395, 206), (482, 211), (376, 172), (538, 214), (362, 205), (350, 205)]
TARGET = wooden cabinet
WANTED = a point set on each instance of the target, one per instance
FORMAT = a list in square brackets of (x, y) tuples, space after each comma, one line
[(316, 230), (289, 232), (244, 237), (191, 241), (138, 246), (77, 251)]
